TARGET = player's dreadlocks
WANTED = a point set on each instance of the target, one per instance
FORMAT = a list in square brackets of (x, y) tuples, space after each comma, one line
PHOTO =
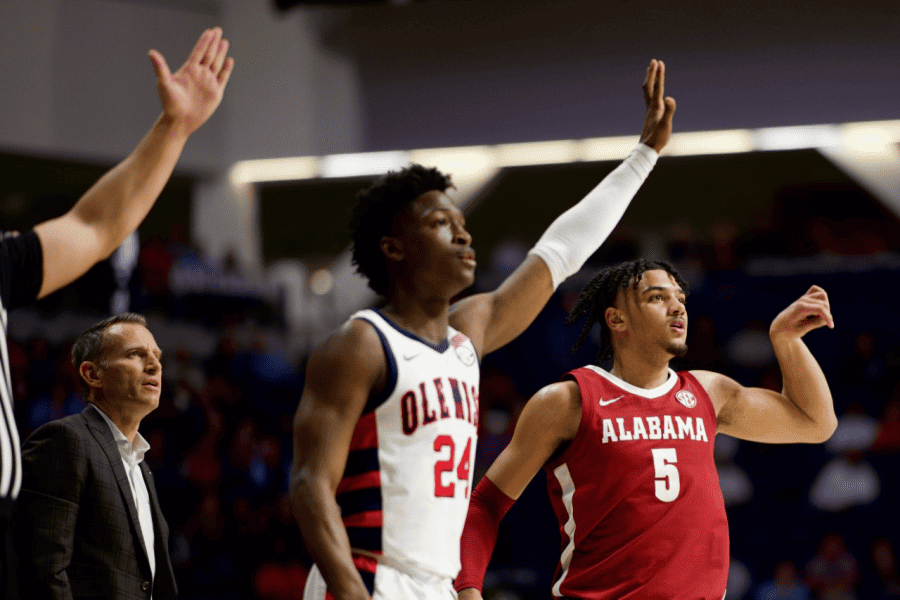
[(373, 216), (600, 293)]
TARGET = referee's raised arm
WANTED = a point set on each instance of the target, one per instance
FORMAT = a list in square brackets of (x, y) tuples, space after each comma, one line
[(39, 262)]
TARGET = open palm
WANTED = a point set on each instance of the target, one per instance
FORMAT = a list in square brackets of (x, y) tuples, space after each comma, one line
[(191, 94)]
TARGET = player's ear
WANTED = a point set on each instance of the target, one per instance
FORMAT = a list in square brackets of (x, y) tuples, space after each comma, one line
[(615, 320), (392, 248)]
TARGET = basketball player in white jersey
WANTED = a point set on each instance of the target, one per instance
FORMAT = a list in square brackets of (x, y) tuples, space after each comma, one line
[(386, 427)]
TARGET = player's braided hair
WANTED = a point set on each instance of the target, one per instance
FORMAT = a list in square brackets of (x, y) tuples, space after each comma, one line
[(373, 216), (600, 293)]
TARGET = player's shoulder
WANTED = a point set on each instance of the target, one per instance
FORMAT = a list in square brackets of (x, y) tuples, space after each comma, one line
[(711, 381), (353, 340), (348, 366), (557, 407), (565, 390), (354, 348), (560, 396)]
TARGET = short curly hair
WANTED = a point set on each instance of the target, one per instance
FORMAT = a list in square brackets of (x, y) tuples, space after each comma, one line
[(600, 293), (373, 216)]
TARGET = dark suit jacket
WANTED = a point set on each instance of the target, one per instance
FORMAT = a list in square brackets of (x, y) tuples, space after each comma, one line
[(76, 527)]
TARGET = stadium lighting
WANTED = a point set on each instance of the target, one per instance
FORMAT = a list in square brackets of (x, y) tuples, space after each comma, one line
[(710, 142), (368, 163), (610, 148), (873, 137), (537, 153), (464, 161), (796, 138), (321, 282), (273, 169), (475, 162)]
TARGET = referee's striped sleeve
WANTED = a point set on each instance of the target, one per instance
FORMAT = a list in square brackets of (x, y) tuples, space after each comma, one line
[(21, 274)]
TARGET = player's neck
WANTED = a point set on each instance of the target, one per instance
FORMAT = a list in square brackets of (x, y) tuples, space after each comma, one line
[(426, 319), (640, 371)]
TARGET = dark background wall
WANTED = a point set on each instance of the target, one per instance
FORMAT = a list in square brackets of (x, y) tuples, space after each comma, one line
[(453, 73)]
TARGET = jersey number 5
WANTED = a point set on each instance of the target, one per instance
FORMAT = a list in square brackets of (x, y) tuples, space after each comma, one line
[(442, 490), (668, 483)]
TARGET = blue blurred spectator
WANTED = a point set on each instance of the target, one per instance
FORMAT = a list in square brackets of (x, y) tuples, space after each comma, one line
[(784, 585), (848, 486), (739, 580)]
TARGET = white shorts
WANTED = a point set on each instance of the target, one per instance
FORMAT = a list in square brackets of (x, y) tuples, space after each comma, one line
[(390, 584)]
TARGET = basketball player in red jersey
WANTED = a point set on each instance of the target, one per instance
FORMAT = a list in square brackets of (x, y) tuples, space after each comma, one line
[(386, 424), (629, 452)]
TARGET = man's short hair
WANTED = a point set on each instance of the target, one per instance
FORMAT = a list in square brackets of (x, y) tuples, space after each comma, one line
[(373, 216), (91, 344)]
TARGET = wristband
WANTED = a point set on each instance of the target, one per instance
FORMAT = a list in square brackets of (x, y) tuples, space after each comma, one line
[(487, 506)]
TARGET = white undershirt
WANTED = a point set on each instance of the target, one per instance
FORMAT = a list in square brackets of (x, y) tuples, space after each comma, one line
[(131, 459)]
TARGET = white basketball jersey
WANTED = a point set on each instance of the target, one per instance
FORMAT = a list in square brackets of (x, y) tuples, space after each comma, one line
[(405, 490)]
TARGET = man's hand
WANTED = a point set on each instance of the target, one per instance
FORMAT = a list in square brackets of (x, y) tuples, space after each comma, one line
[(469, 594), (808, 312), (114, 206), (660, 108), (190, 95)]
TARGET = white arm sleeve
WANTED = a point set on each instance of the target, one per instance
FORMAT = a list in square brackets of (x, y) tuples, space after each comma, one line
[(577, 233)]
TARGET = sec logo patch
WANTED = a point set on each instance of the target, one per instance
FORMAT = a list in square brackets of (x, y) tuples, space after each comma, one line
[(466, 356), (686, 398)]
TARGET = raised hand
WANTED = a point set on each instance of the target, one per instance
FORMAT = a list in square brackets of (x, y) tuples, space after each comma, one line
[(190, 95), (808, 312), (660, 108)]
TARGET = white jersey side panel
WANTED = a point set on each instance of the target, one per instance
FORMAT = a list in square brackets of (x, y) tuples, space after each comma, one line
[(420, 436)]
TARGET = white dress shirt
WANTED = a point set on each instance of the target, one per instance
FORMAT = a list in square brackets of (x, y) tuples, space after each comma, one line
[(131, 459)]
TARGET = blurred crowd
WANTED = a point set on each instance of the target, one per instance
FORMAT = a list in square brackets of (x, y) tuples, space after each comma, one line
[(807, 521)]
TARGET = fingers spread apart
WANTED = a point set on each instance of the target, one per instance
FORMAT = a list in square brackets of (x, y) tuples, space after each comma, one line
[(211, 51), (200, 48), (160, 65)]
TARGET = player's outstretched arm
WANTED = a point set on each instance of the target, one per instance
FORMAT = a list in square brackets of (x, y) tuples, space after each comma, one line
[(494, 319), (804, 410), (551, 417), (114, 206), (339, 379)]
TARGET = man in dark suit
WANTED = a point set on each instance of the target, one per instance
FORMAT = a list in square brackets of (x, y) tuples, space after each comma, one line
[(88, 522), (60, 250)]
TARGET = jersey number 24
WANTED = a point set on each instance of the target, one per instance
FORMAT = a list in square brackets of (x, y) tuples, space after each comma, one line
[(448, 490)]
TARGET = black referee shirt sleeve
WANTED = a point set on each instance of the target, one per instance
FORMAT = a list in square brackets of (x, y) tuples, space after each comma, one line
[(21, 268)]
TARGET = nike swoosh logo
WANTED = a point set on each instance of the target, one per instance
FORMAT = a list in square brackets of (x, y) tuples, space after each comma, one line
[(608, 402), (410, 356)]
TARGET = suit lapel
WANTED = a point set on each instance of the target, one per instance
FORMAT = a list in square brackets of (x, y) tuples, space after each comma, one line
[(158, 519), (165, 577), (107, 442)]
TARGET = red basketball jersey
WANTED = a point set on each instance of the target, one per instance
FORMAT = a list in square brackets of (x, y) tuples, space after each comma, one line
[(637, 494)]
